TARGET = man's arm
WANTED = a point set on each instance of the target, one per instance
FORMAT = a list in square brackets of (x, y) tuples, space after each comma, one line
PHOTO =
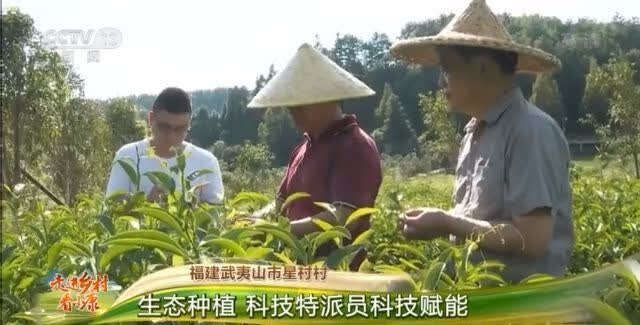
[(528, 235)]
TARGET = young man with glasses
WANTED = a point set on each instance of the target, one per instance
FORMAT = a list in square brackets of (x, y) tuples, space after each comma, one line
[(169, 121)]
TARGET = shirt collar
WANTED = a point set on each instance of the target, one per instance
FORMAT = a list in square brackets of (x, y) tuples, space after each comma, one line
[(495, 111), (336, 127)]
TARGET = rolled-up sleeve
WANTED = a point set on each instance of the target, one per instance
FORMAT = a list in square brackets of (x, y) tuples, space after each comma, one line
[(537, 164)]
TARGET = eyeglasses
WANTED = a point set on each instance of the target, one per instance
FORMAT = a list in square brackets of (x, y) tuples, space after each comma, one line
[(167, 128)]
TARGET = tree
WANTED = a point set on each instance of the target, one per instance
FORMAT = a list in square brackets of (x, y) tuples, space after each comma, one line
[(381, 111), (620, 134), (204, 131), (596, 99), (396, 136), (120, 114), (261, 81), (376, 51), (33, 77), (442, 139), (211, 100), (547, 97), (238, 122), (81, 156), (347, 52), (279, 134)]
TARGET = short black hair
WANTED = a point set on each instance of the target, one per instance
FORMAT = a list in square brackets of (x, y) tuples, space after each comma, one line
[(506, 60), (173, 100)]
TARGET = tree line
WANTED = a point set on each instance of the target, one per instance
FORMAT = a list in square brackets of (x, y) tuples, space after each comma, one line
[(68, 140)]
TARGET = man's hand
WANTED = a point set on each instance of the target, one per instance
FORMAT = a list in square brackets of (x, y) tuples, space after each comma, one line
[(527, 236), (425, 223), (156, 195)]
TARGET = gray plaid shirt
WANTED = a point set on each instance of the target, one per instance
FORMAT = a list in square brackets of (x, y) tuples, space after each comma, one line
[(511, 162)]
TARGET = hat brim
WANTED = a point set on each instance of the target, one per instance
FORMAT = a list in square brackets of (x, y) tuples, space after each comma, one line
[(302, 102), (422, 50)]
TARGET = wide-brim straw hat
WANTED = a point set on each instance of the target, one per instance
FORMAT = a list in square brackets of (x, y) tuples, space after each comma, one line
[(476, 26), (309, 78)]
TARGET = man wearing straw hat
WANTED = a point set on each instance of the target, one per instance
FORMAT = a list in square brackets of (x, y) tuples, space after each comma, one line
[(336, 162), (512, 179)]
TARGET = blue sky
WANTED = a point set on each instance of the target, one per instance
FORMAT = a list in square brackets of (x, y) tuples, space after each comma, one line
[(209, 44)]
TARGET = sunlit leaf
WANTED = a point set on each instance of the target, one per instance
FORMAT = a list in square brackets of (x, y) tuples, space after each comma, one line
[(357, 214), (228, 244), (291, 198)]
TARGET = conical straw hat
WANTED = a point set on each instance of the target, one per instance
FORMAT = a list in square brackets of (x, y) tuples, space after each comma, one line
[(476, 26), (309, 78)]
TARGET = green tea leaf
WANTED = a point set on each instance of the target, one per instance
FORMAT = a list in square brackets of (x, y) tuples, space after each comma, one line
[(410, 249), (162, 180), (486, 276), (201, 172), (113, 252), (284, 258), (485, 265), (322, 224), (147, 243), (470, 246), (258, 253), (363, 237), (226, 244), (291, 198), (127, 165), (357, 214), (322, 238), (433, 275), (181, 161), (53, 255), (177, 260), (163, 216), (341, 254), (408, 264), (280, 234), (537, 277), (327, 207), (388, 269), (147, 234), (244, 198)]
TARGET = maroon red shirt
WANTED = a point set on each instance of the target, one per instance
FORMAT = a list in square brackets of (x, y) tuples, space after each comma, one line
[(341, 166)]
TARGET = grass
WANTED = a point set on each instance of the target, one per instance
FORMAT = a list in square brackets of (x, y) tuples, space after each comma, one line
[(613, 168), (443, 183)]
